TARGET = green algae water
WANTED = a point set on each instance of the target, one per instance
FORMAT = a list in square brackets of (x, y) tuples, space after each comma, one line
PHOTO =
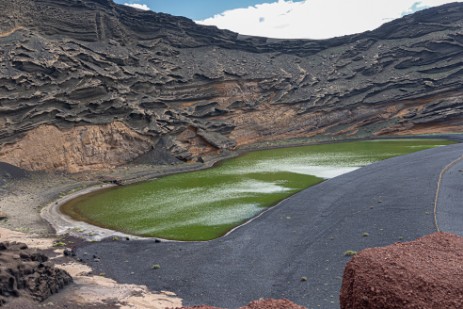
[(206, 204)]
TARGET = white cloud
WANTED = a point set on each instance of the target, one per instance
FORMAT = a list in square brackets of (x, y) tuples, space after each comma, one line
[(316, 19), (139, 6)]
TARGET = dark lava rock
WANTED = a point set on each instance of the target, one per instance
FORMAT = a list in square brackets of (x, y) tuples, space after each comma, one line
[(186, 90), (69, 252), (27, 273), (425, 273)]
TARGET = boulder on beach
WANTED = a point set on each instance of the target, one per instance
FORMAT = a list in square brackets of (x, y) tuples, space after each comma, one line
[(425, 273)]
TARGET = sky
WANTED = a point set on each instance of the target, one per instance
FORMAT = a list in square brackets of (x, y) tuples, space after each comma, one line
[(193, 9), (290, 19)]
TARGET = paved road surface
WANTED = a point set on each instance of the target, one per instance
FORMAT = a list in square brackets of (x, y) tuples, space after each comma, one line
[(306, 235), (449, 208)]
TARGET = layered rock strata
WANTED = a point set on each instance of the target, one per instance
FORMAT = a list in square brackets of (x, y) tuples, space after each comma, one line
[(165, 85)]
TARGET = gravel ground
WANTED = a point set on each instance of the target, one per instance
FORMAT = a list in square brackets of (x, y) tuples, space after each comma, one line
[(295, 250)]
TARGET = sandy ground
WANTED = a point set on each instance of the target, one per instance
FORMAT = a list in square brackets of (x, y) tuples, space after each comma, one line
[(98, 289), (93, 290), (22, 201)]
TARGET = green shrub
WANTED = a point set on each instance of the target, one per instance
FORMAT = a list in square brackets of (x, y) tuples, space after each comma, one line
[(59, 244), (350, 253)]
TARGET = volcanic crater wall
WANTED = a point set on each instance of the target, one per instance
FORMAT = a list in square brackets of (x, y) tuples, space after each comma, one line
[(164, 85)]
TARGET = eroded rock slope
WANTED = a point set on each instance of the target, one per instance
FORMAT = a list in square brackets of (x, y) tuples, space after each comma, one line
[(177, 90)]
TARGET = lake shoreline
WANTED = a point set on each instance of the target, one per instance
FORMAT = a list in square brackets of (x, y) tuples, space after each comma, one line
[(24, 199), (63, 224)]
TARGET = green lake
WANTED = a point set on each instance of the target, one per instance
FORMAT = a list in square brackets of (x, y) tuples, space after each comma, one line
[(206, 204)]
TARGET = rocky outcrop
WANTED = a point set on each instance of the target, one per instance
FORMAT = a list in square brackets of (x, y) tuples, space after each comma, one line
[(76, 149), (425, 273), (194, 90), (26, 273)]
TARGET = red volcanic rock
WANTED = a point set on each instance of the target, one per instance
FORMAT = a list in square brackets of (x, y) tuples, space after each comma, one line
[(425, 273)]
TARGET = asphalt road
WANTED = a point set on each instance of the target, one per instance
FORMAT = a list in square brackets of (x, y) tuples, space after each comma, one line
[(304, 236), (449, 208)]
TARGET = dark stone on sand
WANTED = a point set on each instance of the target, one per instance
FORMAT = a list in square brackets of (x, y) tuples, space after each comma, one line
[(69, 252)]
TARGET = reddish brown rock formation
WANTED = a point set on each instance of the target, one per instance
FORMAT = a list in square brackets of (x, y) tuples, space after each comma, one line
[(26, 273), (425, 273), (260, 304)]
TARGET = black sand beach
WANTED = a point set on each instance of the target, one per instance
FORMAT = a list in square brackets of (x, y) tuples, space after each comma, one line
[(305, 236)]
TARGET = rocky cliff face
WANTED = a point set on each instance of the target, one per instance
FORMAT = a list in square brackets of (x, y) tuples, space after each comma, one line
[(89, 147), (183, 90)]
